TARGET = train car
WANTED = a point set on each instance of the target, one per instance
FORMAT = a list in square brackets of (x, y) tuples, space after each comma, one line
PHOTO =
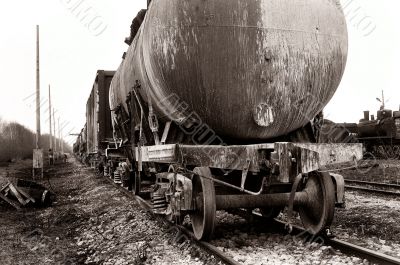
[(97, 133), (214, 104), (76, 146), (80, 145), (99, 130)]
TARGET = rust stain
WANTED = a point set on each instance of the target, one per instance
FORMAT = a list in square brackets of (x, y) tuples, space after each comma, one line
[(222, 58), (264, 115)]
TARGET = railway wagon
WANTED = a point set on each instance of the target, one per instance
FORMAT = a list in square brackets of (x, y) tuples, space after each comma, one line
[(98, 132), (76, 146), (98, 115), (214, 105), (94, 138), (80, 145)]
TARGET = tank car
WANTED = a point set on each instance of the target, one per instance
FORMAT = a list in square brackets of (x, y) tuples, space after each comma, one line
[(213, 102)]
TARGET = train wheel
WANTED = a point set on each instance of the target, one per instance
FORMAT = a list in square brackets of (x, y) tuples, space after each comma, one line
[(203, 217), (317, 215), (136, 183)]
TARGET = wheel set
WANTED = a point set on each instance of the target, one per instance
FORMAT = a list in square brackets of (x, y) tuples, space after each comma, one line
[(315, 202)]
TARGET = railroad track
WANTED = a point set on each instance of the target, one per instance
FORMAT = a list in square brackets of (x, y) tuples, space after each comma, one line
[(344, 247), (385, 189), (205, 245), (352, 249), (371, 255)]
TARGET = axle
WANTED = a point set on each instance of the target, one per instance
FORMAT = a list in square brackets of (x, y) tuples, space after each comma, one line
[(224, 202)]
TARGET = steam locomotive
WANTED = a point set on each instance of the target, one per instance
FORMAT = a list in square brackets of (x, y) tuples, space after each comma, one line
[(213, 108), (379, 135)]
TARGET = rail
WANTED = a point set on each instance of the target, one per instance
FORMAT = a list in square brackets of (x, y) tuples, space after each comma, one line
[(345, 247), (366, 187)]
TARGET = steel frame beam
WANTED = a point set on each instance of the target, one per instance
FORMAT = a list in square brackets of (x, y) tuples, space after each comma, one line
[(307, 157)]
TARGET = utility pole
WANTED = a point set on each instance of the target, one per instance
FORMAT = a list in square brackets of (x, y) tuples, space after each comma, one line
[(37, 152), (37, 89), (62, 141), (55, 135), (59, 133), (51, 135)]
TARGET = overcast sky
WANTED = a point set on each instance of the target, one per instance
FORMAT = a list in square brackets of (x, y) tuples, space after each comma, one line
[(73, 47)]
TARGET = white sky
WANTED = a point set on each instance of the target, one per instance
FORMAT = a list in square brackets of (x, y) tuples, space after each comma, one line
[(71, 53)]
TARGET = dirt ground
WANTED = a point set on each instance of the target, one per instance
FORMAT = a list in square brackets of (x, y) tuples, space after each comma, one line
[(372, 220), (384, 171), (91, 222)]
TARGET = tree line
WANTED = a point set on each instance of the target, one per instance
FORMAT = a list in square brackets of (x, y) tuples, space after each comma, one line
[(17, 142)]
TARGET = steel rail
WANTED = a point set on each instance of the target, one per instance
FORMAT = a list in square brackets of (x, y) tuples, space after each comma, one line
[(205, 245), (377, 184), (347, 247), (384, 192), (368, 254), (343, 246)]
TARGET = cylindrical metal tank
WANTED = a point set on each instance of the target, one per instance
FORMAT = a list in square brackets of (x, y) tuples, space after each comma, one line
[(254, 69)]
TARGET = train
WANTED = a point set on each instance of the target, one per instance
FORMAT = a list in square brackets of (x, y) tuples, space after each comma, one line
[(96, 135), (215, 106), (380, 134)]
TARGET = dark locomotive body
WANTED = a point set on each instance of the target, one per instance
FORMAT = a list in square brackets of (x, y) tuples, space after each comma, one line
[(205, 100), (386, 126), (380, 134)]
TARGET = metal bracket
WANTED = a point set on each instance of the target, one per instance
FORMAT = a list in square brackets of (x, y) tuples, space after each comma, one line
[(137, 86), (153, 124), (139, 153), (245, 171), (293, 160), (139, 158), (166, 131), (291, 202), (339, 183)]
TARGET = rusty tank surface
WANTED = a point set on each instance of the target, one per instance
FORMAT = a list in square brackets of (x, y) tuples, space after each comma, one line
[(250, 70)]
